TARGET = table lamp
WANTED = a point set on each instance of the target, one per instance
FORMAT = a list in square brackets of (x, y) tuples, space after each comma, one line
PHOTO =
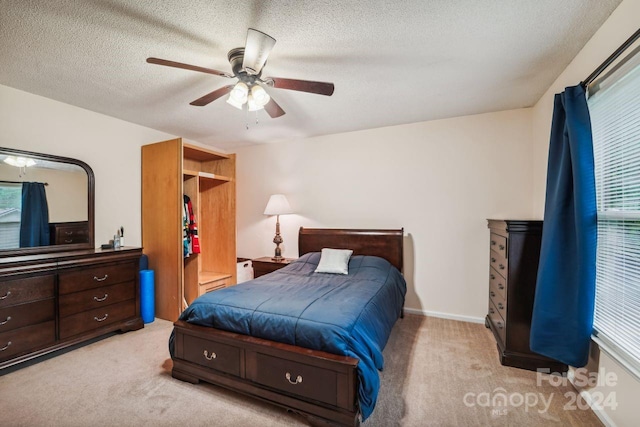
[(277, 205)]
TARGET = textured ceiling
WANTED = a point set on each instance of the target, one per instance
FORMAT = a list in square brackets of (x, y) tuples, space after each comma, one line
[(392, 62)]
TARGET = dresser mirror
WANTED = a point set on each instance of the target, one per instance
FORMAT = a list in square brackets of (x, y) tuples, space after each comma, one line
[(46, 203)]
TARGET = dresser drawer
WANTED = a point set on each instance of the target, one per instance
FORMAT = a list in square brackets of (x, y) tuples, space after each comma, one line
[(498, 262), (68, 233), (18, 316), (96, 318), (22, 340), (96, 276), (72, 234), (499, 324), (93, 298), (497, 283), (212, 354), (299, 379), (499, 302), (499, 244), (17, 291)]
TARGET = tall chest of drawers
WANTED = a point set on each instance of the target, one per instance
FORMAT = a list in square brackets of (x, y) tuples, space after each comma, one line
[(52, 301), (513, 265), (65, 233)]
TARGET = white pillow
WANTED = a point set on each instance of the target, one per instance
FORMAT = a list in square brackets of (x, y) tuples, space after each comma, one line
[(334, 261)]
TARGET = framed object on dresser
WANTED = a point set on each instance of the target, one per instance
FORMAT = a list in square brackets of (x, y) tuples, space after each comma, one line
[(513, 258)]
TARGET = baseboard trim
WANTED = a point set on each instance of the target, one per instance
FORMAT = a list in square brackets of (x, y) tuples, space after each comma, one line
[(458, 317), (586, 395)]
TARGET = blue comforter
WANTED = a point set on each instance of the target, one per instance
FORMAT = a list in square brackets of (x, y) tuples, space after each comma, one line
[(351, 315)]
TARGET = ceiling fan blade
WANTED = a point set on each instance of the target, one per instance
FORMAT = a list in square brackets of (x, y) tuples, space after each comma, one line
[(256, 50), (321, 88), (273, 109), (174, 64), (210, 97)]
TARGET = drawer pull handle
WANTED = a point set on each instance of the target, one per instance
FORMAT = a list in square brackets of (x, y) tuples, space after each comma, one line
[(493, 294), (493, 243), (500, 325), (493, 276), (68, 233), (500, 286), (501, 267), (491, 311), (5, 322), (493, 259), (68, 240), (209, 357), (500, 306), (297, 381), (101, 319), (6, 346), (100, 279), (5, 296), (101, 299), (501, 247)]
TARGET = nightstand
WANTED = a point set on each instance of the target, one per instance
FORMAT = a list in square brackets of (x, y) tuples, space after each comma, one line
[(265, 265)]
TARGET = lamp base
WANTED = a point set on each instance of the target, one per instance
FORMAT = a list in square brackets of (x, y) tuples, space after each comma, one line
[(278, 254)]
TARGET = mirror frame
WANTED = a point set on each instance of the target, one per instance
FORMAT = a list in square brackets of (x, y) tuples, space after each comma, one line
[(90, 204)]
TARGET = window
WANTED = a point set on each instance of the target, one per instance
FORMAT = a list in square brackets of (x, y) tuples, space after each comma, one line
[(615, 119), (10, 202)]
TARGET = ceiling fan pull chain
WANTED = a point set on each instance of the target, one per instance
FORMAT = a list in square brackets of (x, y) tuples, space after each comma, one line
[(246, 118)]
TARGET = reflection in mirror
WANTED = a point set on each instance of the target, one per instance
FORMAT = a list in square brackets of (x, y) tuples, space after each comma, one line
[(42, 196)]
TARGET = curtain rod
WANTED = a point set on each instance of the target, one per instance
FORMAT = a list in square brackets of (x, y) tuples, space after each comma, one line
[(17, 182), (586, 82)]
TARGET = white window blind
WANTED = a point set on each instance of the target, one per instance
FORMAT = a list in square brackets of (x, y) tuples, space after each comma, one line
[(10, 203), (614, 106)]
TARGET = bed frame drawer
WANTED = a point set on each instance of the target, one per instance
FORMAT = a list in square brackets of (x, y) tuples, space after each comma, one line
[(295, 378), (212, 354)]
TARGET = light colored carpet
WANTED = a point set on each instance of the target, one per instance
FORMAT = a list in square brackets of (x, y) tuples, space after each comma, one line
[(431, 365)]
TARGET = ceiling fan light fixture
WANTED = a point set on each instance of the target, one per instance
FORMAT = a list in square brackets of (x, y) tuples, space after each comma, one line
[(232, 101), (260, 96), (239, 93), (19, 162), (252, 104)]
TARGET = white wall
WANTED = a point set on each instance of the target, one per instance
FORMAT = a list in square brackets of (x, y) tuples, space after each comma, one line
[(110, 146), (439, 180), (66, 190), (622, 23)]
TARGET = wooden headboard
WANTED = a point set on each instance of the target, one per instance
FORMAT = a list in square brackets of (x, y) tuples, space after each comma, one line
[(386, 244)]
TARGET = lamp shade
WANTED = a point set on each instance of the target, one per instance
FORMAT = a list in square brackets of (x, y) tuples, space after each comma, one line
[(277, 205)]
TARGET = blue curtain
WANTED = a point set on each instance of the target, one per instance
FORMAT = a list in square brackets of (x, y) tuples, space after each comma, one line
[(562, 319), (34, 221)]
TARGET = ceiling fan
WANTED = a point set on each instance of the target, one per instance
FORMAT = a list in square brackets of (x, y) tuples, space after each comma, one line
[(247, 64)]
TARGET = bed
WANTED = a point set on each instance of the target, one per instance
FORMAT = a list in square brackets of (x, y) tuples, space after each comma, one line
[(309, 342)]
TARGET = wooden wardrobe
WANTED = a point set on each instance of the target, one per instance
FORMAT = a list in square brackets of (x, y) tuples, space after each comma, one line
[(171, 169)]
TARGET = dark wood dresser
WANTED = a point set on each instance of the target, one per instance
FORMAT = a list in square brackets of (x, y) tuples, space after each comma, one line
[(65, 233), (52, 301), (513, 258)]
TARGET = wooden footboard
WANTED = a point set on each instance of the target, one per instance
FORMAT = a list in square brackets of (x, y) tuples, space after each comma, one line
[(315, 384)]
